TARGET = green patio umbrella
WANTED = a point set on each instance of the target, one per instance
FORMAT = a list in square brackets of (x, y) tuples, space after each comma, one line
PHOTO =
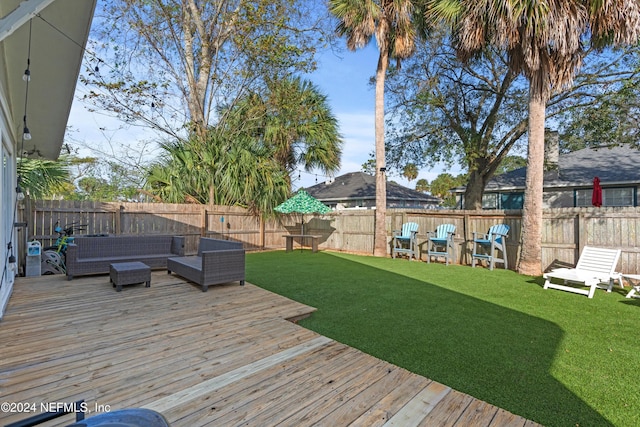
[(302, 203)]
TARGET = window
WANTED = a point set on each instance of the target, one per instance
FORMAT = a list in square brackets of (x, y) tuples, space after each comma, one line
[(502, 200), (490, 201), (511, 200), (618, 196), (583, 197), (622, 196)]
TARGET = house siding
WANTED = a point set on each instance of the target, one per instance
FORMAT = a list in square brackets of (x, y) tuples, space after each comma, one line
[(7, 198)]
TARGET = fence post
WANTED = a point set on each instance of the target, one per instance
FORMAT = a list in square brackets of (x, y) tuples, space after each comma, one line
[(204, 223), (581, 235), (120, 220), (261, 240), (464, 254)]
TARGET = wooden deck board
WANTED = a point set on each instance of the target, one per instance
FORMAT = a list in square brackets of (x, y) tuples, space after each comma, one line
[(396, 397), (449, 410), (283, 403), (419, 406), (254, 394), (225, 357)]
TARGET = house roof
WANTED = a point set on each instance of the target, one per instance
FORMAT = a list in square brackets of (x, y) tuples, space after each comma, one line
[(361, 186), (59, 31), (613, 165)]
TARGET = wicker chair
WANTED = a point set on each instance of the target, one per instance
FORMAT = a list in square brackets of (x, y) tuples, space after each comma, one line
[(218, 261)]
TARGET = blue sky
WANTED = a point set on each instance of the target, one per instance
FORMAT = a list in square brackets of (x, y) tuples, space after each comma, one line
[(343, 77)]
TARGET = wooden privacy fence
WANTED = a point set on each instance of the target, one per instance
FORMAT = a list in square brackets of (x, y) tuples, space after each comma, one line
[(565, 231)]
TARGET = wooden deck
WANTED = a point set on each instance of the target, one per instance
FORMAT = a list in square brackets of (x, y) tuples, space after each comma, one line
[(225, 357)]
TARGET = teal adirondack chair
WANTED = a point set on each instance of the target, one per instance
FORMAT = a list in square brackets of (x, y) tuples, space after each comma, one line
[(441, 244), (493, 244), (405, 240)]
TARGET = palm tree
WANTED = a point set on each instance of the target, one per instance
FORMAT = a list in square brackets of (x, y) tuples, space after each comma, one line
[(292, 118), (228, 171), (545, 42), (422, 185), (391, 21), (43, 178), (247, 158), (410, 171)]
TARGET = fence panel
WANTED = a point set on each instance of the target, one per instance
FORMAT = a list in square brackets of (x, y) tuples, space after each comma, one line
[(564, 233), (162, 218), (95, 217), (354, 231), (234, 223)]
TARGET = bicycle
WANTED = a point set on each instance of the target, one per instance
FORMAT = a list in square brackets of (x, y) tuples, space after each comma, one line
[(53, 257)]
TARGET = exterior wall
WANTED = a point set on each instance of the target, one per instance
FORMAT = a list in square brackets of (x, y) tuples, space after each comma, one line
[(8, 182), (371, 203), (552, 199)]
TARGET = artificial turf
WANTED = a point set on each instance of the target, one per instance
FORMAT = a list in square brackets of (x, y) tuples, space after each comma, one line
[(557, 358)]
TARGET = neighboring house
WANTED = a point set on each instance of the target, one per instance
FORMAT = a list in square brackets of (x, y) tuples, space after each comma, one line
[(568, 182), (46, 37), (358, 190)]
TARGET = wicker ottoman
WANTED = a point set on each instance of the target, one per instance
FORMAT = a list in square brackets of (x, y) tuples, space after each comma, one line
[(128, 273)]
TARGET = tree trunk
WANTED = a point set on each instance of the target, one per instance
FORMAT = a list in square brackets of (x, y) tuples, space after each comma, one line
[(474, 191), (531, 233), (380, 236)]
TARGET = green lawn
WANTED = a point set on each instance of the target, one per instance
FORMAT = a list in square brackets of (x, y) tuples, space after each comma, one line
[(554, 357)]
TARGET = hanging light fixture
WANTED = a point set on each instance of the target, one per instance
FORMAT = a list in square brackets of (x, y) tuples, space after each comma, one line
[(19, 192), (25, 133), (27, 73), (12, 257)]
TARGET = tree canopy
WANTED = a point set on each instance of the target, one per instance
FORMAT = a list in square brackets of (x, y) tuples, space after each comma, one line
[(169, 64), (545, 42), (219, 80), (247, 160), (474, 114)]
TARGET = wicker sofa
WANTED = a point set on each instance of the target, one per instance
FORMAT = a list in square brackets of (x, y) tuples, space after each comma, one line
[(218, 261), (94, 255)]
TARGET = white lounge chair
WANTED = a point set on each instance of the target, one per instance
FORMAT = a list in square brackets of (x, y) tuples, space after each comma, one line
[(595, 266)]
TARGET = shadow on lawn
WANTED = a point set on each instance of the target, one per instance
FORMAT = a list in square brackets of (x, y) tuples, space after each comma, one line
[(491, 352)]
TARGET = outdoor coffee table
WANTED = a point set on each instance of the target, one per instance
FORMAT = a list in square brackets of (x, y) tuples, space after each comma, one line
[(129, 273)]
